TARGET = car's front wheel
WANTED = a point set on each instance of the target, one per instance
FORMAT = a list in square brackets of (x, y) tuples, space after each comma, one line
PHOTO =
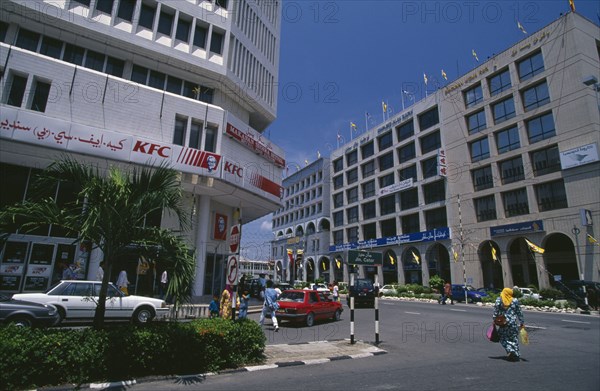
[(310, 319), (143, 315), (338, 315), (21, 321)]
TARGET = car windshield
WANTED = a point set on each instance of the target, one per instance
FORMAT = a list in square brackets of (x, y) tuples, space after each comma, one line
[(364, 285), (292, 296)]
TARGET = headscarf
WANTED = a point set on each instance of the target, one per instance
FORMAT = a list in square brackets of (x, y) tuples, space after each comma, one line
[(507, 296)]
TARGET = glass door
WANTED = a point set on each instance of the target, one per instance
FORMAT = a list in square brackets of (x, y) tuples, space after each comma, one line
[(12, 267)]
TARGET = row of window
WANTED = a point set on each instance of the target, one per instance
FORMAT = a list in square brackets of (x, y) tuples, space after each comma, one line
[(77, 55), (538, 128), (298, 214), (410, 223), (306, 182), (386, 140), (193, 131), (549, 196), (16, 88), (302, 198), (248, 21), (527, 68)]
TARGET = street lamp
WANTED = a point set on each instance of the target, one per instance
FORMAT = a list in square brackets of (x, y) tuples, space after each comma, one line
[(576, 232), (592, 81)]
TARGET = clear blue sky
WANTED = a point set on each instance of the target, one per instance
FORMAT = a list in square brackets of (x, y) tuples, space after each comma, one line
[(340, 59)]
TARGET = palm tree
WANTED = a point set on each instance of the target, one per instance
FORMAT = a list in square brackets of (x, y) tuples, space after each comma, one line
[(110, 211)]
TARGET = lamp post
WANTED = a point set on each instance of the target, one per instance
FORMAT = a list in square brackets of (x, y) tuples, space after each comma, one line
[(592, 81), (576, 232)]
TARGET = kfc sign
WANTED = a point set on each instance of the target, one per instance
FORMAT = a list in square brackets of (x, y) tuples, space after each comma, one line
[(151, 149), (234, 169)]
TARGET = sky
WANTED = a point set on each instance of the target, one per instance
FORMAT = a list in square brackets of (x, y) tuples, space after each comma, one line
[(340, 59)]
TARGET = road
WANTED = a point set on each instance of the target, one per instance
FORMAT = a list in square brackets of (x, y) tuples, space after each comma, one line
[(429, 347)]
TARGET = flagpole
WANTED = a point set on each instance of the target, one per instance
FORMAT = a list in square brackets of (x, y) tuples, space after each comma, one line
[(402, 96), (462, 249), (366, 122)]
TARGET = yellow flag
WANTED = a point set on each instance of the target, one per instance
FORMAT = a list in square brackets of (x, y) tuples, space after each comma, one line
[(425, 78), (299, 252), (592, 240), (416, 258), (520, 26), (534, 248), (391, 259), (384, 106), (494, 257), (352, 125), (474, 54), (572, 5), (455, 254), (323, 265), (338, 263), (444, 75)]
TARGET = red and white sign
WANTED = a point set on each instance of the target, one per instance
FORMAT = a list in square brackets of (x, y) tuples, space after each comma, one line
[(442, 164), (253, 140), (232, 270), (234, 239), (251, 177), (220, 227)]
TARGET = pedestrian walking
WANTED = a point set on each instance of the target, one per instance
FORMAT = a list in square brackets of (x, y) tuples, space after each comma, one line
[(336, 291), (509, 319), (244, 302), (447, 294), (225, 305), (123, 282), (164, 279), (270, 306)]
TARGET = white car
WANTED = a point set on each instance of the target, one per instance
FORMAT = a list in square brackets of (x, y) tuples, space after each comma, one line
[(530, 294), (387, 290), (318, 288), (76, 300)]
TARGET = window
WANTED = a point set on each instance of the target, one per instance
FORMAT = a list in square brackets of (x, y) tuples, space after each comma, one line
[(386, 161), (429, 167), (115, 66), (352, 234), (408, 172), (500, 82), (351, 158), (536, 96), (16, 90), (221, 3), (352, 195), (531, 66), (338, 237), (165, 23), (480, 149), (84, 2), (40, 96), (352, 176), (410, 223), (27, 40), (94, 60), (368, 169), (338, 182), (157, 80), (352, 214), (126, 8), (504, 110), (473, 96), (485, 208), (183, 30), (476, 122), (367, 150), (388, 228), (338, 219), (429, 118), (73, 54), (386, 180), (196, 135), (3, 30), (368, 189), (507, 139), (540, 128), (511, 170), (434, 192), (338, 165), (406, 130), (147, 16), (545, 161), (385, 141), (139, 74), (436, 218), (482, 178), (179, 131), (200, 34), (551, 195), (105, 6), (431, 142), (387, 205), (515, 202), (338, 200), (406, 153), (51, 47), (409, 199), (369, 210), (369, 231), (216, 42), (210, 142)]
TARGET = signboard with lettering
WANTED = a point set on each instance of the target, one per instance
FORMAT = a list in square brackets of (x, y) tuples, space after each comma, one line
[(579, 156), (403, 185), (517, 228), (367, 258), (426, 236), (253, 140)]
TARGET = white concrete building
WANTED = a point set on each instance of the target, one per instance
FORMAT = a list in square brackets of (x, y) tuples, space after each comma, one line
[(192, 83), (455, 184)]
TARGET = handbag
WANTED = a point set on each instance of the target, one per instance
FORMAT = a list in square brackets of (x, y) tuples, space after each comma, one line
[(500, 321), (492, 334)]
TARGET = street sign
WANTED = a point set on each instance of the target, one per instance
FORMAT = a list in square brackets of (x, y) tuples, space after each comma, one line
[(367, 258), (234, 239), (232, 270)]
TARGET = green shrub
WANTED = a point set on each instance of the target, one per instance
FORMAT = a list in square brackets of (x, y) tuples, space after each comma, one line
[(552, 293), (402, 289), (436, 282), (415, 288), (32, 358)]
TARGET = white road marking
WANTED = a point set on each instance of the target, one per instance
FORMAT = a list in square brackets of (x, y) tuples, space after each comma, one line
[(535, 327), (412, 313), (574, 321), (458, 310)]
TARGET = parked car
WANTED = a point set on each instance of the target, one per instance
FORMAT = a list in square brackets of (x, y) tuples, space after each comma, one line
[(473, 295), (318, 287), (307, 306), (76, 300), (489, 291), (528, 293), (363, 291), (27, 314), (283, 286), (387, 290)]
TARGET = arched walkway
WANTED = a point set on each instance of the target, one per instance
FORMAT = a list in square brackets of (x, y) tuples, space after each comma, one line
[(438, 261), (522, 263), (491, 265), (338, 268), (390, 267), (412, 267), (560, 258), (310, 228), (324, 267), (311, 270)]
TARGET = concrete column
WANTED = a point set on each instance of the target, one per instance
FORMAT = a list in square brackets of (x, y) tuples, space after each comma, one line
[(202, 231)]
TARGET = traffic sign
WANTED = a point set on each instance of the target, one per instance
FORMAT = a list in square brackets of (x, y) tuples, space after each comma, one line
[(232, 270), (234, 239), (366, 258)]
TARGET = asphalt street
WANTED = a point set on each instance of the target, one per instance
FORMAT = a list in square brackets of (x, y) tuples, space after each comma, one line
[(428, 347)]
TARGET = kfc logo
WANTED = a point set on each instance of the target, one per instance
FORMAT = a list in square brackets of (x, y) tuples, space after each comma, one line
[(234, 169), (150, 149)]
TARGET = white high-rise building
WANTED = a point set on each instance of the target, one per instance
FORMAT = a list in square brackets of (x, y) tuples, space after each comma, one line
[(188, 82)]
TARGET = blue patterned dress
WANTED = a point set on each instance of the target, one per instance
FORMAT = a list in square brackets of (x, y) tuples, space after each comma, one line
[(509, 334)]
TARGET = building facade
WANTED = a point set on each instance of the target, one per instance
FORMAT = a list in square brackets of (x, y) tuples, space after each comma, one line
[(136, 82), (300, 248), (460, 183)]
